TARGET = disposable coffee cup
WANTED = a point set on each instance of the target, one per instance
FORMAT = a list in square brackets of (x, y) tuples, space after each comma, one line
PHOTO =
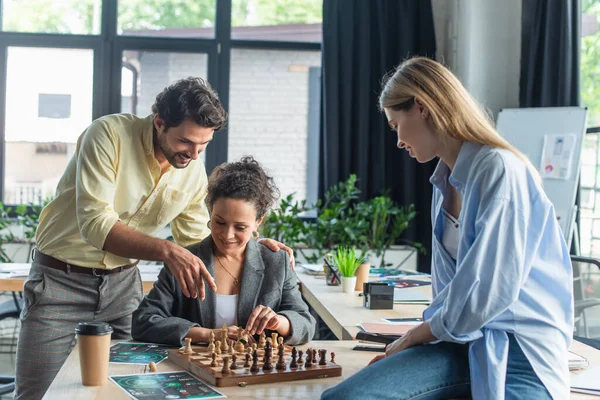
[(94, 352)]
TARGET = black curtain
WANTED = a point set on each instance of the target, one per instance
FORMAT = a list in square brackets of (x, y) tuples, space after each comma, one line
[(362, 40), (550, 53), (550, 59)]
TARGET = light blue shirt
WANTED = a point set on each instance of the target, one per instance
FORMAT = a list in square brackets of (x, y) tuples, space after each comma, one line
[(512, 274)]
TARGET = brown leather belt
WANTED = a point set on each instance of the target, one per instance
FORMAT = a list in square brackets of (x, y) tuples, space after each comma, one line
[(51, 262)]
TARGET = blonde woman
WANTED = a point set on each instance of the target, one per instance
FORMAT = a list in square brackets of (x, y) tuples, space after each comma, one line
[(501, 321)]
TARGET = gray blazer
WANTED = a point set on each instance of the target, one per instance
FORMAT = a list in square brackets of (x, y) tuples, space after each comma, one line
[(166, 315)]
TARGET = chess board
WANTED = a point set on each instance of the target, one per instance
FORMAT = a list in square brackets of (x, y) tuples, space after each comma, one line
[(199, 361)]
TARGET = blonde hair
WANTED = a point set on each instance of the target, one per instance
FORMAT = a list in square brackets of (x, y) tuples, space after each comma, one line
[(453, 112)]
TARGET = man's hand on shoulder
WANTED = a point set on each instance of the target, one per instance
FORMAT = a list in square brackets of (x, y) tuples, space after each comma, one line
[(274, 245)]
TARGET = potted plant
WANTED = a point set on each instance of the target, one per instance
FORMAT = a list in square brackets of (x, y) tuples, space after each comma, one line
[(347, 261)]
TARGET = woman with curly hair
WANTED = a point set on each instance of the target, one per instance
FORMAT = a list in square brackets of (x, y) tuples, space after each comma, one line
[(257, 288)]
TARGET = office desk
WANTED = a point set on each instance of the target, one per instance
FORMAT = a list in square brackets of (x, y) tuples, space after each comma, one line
[(342, 312), (67, 384), (15, 284)]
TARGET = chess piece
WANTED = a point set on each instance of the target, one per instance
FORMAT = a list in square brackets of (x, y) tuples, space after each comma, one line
[(281, 361), (224, 342), (322, 357), (213, 356), (254, 367), (231, 348), (188, 346), (152, 366), (255, 346), (300, 360), (314, 356), (247, 363), (267, 366), (274, 338), (211, 342), (225, 369), (218, 346), (280, 341), (333, 357), (308, 362), (261, 340), (239, 347), (233, 362), (294, 363)]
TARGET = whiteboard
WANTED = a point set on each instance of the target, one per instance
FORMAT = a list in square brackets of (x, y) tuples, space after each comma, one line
[(526, 129)]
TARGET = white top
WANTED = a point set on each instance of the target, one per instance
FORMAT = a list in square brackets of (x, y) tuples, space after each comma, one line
[(450, 235), (227, 306)]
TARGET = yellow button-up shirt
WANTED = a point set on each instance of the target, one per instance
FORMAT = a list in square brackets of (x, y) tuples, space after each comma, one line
[(114, 176)]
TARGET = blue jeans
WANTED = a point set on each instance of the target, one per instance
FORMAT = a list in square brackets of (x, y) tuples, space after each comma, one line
[(438, 371)]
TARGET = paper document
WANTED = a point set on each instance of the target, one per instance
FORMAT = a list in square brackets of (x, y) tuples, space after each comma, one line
[(557, 156), (412, 295), (587, 381), (385, 328)]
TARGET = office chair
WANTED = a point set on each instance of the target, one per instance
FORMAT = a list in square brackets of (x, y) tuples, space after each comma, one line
[(10, 309), (584, 268)]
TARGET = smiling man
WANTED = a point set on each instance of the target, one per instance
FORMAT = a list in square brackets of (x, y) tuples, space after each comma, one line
[(128, 179)]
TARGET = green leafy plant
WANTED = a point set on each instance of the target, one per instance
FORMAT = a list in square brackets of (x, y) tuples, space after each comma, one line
[(27, 216), (341, 221), (388, 221), (347, 261)]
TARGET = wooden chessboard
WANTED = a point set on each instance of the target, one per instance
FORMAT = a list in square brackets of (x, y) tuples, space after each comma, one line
[(198, 363)]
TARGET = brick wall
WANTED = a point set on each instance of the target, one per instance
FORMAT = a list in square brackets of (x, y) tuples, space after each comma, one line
[(268, 105)]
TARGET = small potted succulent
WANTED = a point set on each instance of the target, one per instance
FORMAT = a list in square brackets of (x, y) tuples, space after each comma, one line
[(347, 261)]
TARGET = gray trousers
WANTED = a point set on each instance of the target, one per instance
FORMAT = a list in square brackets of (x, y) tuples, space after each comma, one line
[(55, 302)]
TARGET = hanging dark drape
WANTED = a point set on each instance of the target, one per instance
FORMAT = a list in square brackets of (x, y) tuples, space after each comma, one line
[(550, 53), (362, 40), (550, 56)]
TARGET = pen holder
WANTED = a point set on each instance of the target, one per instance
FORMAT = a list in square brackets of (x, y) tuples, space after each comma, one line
[(330, 277), (378, 296)]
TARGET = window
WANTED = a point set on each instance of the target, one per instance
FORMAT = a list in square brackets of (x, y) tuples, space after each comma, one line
[(590, 94), (269, 113), (52, 16), (281, 20), (167, 18), (54, 105), (48, 105), (145, 74)]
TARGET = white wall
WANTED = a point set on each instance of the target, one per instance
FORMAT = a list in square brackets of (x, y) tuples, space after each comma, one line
[(480, 40)]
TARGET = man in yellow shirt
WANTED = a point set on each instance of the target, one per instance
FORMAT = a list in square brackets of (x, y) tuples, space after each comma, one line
[(128, 179)]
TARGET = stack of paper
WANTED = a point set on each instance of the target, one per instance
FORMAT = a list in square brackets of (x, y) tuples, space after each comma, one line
[(14, 270), (411, 296), (386, 328), (587, 381), (577, 362)]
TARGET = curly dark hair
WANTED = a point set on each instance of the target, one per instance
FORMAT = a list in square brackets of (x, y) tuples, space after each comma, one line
[(242, 180), (190, 98)]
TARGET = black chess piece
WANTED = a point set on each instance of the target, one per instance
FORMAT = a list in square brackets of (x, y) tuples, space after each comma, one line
[(308, 362), (233, 362), (314, 356), (281, 361), (294, 363), (300, 360), (254, 367), (267, 366), (247, 363), (322, 357)]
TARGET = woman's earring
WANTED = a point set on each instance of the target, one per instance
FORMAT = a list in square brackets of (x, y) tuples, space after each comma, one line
[(255, 235), (208, 224)]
